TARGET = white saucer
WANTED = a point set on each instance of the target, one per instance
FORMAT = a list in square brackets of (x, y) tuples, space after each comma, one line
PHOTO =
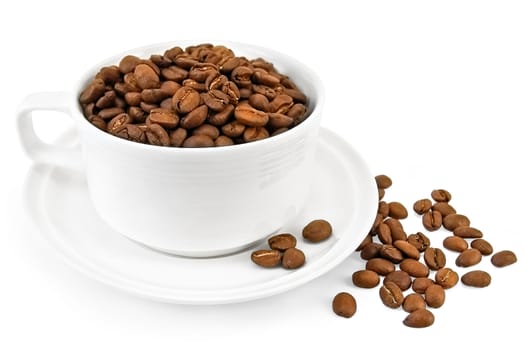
[(343, 193)]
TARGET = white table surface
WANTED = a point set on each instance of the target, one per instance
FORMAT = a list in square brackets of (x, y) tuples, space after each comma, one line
[(430, 93)]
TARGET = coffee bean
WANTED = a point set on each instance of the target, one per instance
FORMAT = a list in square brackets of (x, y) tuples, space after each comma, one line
[(110, 75), (397, 230), (109, 113), (157, 135), (282, 241), (118, 123), (250, 116), (383, 209), (174, 73), (444, 208), (185, 100), (128, 63), (221, 118), (419, 319), (164, 117), (452, 221), (259, 101), (391, 253), (177, 137), (467, 232), (93, 91), (98, 122), (107, 100), (441, 195), (391, 295), (208, 130), (223, 140), (414, 268), (446, 278), (432, 220), (293, 258), (476, 278), (233, 129), (413, 301), (380, 265), (503, 258), (217, 100), (407, 249), (146, 77), (397, 210), (298, 112), (370, 251), (197, 141), (377, 221), (384, 233), (483, 246), (195, 118), (455, 243), (383, 181), (434, 258), (419, 240), (317, 230), (242, 76), (367, 239), (468, 257), (365, 279), (255, 133), (278, 120), (420, 284), (266, 258), (281, 104), (262, 77), (401, 278), (344, 305), (381, 193), (435, 296), (422, 206)]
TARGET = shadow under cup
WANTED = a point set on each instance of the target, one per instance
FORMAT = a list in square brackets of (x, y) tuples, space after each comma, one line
[(202, 202)]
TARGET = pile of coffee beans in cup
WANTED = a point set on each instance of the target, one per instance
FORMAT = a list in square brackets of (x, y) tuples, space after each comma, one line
[(396, 257), (199, 96)]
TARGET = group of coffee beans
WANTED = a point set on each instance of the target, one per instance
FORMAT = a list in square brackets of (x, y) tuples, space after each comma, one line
[(388, 245), (283, 249), (200, 96)]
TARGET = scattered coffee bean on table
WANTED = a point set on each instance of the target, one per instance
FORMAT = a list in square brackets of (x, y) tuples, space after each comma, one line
[(344, 305)]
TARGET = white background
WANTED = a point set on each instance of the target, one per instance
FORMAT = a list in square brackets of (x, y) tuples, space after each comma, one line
[(430, 93)]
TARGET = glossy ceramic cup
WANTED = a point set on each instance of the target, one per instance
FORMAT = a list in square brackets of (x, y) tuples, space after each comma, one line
[(197, 202)]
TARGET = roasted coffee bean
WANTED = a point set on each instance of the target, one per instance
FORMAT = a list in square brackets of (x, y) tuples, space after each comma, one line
[(269, 92), (422, 206), (344, 305), (317, 230), (452, 221), (282, 241), (397, 210), (223, 140), (391, 253), (250, 116), (109, 113), (221, 118), (419, 240), (262, 77), (367, 240), (233, 92), (503, 258), (266, 258), (420, 284), (281, 104), (131, 132), (107, 100), (164, 117), (133, 98), (441, 195), (174, 73), (93, 92), (216, 82), (297, 112), (185, 100), (370, 250), (208, 130), (118, 123), (98, 122), (137, 114), (154, 96), (157, 135), (467, 232), (432, 220), (297, 96), (178, 136), (468, 257), (160, 60), (446, 277), (242, 76), (483, 246), (407, 249), (110, 75), (413, 301), (255, 133), (391, 295), (128, 63), (365, 279), (435, 296), (384, 233), (414, 268), (455, 243), (200, 72), (217, 100), (146, 76), (278, 120), (383, 181), (397, 230), (196, 141), (147, 107), (233, 129), (195, 118), (434, 258), (380, 265), (293, 258), (419, 319), (476, 278), (444, 208), (383, 209), (259, 101), (401, 278)]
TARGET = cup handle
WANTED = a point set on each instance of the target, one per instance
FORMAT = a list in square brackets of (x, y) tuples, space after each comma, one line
[(35, 148)]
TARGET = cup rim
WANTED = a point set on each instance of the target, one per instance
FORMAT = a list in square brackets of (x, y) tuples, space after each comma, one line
[(314, 114)]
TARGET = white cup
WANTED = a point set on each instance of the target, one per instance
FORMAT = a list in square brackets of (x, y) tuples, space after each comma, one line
[(197, 202)]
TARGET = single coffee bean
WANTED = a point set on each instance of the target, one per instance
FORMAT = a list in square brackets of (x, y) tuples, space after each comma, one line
[(413, 301), (146, 77), (196, 141), (434, 258), (467, 232), (255, 133), (262, 77), (221, 118), (435, 296), (391, 253), (281, 104), (293, 258), (419, 319), (174, 73), (441, 195), (216, 100), (109, 113), (380, 265), (282, 241), (422, 206), (391, 295), (407, 249), (444, 208), (419, 240), (476, 278), (455, 243), (420, 284), (259, 101), (414, 268), (383, 209), (153, 96), (110, 75), (250, 116), (93, 91), (195, 118), (397, 210), (198, 87), (384, 233), (483, 246), (370, 251), (133, 98), (365, 279), (266, 258), (383, 181), (401, 278), (233, 129), (446, 277), (185, 100), (242, 76), (157, 135), (223, 140), (118, 122), (432, 220), (131, 132), (208, 130), (297, 112), (468, 257), (296, 95), (137, 114), (107, 100), (178, 136), (164, 117), (217, 82), (128, 63), (397, 230), (279, 120), (98, 122), (344, 305), (367, 239), (452, 221), (317, 230), (147, 107), (503, 258)]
